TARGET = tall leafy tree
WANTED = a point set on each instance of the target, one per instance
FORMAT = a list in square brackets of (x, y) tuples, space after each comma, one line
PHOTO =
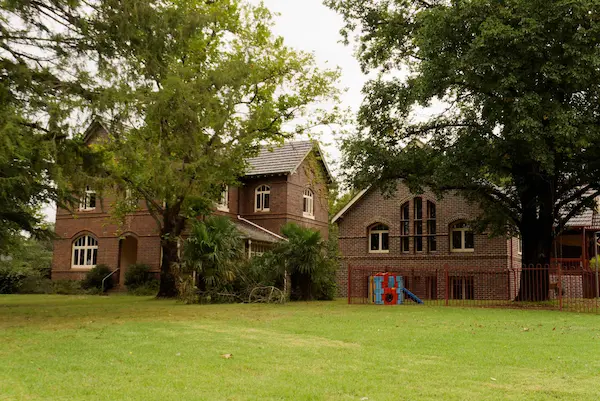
[(201, 102), (56, 58), (519, 133)]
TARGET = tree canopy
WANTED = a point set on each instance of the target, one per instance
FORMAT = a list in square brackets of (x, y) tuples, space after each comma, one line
[(187, 112), (56, 58), (519, 84)]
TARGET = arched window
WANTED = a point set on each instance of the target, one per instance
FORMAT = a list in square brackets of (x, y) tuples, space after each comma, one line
[(85, 252), (461, 237), (308, 203), (379, 239), (405, 227), (262, 198), (88, 200), (224, 199), (418, 224)]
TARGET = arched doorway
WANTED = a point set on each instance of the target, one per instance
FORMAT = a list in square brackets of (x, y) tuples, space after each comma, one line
[(127, 256)]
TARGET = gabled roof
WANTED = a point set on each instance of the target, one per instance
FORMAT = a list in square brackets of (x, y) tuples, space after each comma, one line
[(95, 126), (284, 159), (349, 205), (250, 230)]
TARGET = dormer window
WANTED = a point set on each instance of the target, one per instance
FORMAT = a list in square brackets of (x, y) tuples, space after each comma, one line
[(308, 203), (262, 198), (88, 200), (223, 204)]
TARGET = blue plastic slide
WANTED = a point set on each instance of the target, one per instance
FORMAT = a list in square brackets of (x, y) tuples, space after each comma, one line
[(412, 296)]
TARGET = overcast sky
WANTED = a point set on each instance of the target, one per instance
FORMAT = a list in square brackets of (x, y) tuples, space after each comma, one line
[(310, 26)]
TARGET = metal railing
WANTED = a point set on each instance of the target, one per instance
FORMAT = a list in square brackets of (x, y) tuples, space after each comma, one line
[(570, 287), (107, 277)]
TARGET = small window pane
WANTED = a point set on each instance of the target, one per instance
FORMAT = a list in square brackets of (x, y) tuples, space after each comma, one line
[(456, 239), (431, 229), (405, 244), (374, 242), (75, 256), (258, 204), (432, 244), (405, 228), (418, 227), (405, 211), (266, 202), (418, 244), (418, 209), (95, 256), (385, 245), (469, 240)]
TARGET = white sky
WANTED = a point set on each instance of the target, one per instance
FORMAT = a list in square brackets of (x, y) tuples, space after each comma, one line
[(310, 26)]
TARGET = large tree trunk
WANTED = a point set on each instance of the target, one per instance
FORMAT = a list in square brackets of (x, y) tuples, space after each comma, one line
[(172, 228), (537, 231)]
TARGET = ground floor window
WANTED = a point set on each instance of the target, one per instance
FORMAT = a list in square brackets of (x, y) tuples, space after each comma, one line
[(462, 288), (85, 252)]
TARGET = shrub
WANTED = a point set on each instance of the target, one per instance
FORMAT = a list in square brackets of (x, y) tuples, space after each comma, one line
[(138, 275), (11, 277), (213, 250), (310, 262), (36, 283), (595, 263), (148, 288), (94, 277), (67, 287)]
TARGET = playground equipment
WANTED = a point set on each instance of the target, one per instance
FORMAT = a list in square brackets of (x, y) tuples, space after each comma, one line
[(388, 289)]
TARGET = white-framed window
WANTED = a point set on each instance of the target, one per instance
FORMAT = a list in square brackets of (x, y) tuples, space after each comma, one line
[(379, 239), (308, 203), (262, 198), (520, 245), (85, 252), (88, 200), (462, 238), (224, 199)]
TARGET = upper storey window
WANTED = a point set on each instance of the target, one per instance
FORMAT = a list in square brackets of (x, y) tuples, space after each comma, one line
[(462, 238), (308, 203), (262, 198), (224, 199), (88, 200), (379, 239), (424, 220)]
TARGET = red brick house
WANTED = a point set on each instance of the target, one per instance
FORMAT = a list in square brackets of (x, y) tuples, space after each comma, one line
[(415, 232), (284, 184)]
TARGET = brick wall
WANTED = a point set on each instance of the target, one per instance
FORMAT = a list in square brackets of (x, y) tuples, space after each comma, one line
[(285, 206), (373, 208)]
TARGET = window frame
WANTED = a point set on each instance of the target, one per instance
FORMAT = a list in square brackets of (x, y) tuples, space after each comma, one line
[(308, 203), (223, 203), (262, 192), (86, 200), (405, 227), (380, 233), (431, 226), (463, 231), (88, 245)]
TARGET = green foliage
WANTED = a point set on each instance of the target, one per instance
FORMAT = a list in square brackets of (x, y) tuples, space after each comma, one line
[(56, 62), (67, 287), (26, 266), (93, 278), (11, 278), (595, 263), (213, 250), (145, 289), (308, 260), (518, 134), (138, 275)]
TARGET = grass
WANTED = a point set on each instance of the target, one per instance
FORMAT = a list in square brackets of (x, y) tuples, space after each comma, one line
[(137, 348)]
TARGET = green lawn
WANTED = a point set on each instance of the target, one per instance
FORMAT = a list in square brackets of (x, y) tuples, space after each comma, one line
[(135, 348)]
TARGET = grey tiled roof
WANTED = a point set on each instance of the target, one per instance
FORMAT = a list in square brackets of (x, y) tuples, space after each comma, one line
[(279, 160), (585, 219), (249, 231)]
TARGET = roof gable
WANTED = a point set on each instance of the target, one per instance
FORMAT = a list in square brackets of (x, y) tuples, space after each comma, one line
[(284, 159)]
